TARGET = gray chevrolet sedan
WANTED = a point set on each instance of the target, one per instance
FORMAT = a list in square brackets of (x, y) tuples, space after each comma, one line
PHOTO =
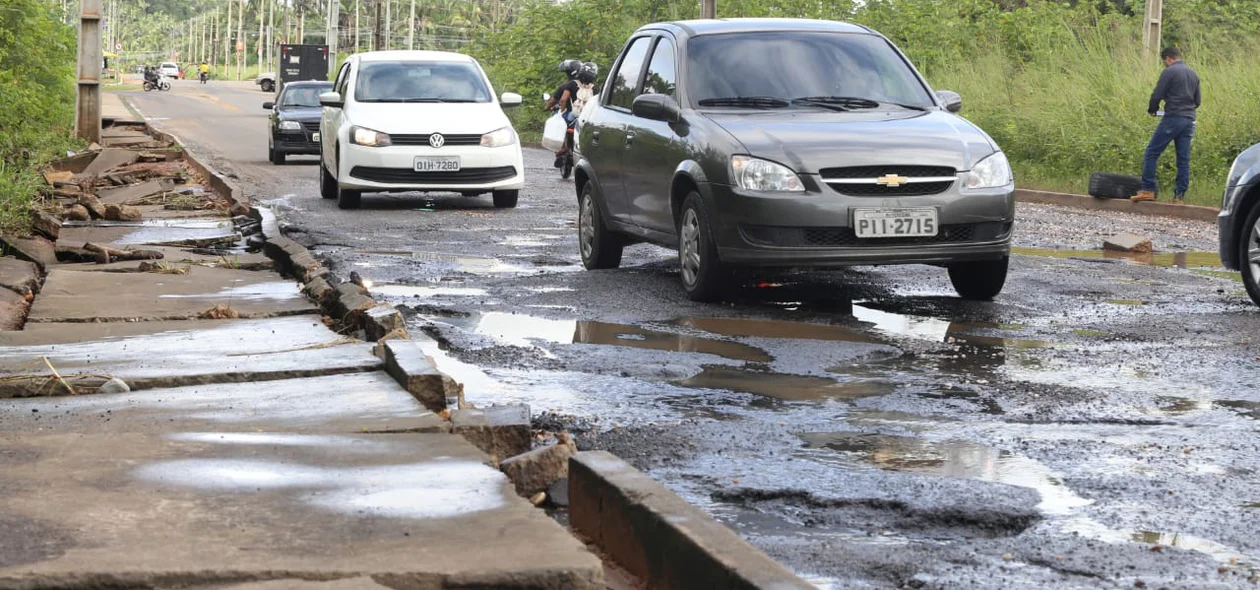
[(783, 143)]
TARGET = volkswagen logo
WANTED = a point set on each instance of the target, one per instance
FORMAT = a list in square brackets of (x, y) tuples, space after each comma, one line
[(436, 140)]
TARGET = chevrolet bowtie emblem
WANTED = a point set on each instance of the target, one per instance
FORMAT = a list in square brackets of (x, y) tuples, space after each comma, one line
[(891, 180)]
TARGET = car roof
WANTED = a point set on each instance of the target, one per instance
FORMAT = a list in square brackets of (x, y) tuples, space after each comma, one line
[(374, 56), (694, 28), (302, 83)]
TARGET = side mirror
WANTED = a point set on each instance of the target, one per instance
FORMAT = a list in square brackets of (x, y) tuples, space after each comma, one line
[(951, 100), (510, 99), (331, 99), (267, 106), (657, 107)]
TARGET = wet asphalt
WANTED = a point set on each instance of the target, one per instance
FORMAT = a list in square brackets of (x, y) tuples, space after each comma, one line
[(1094, 427)]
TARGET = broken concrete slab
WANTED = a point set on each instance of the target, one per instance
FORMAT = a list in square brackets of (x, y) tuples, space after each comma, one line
[(500, 431), (382, 320), (45, 225), (126, 195), (355, 583), (70, 295), (535, 471), (181, 353), (347, 403), (108, 159), (122, 213), (1127, 242), (12, 310), (195, 232), (406, 362), (19, 276), (409, 510), (660, 538), (36, 249), (235, 259)]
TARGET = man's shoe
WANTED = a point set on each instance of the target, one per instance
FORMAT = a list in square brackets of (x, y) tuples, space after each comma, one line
[(1179, 197), (1143, 196)]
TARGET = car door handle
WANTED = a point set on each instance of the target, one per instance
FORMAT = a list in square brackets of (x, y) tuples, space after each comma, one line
[(629, 140), (595, 138)]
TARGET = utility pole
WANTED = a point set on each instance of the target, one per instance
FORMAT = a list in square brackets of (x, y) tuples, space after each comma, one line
[(240, 42), (87, 104), (389, 22), (708, 8), (227, 40), (262, 22), (1152, 27), (377, 43), (411, 27), (333, 40), (357, 30)]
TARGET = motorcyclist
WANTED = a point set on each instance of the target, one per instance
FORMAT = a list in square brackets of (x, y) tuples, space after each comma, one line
[(203, 71), (151, 75), (562, 99)]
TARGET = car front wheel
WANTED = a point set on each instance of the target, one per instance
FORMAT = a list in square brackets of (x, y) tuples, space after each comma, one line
[(346, 198), (1249, 254), (979, 280), (327, 183), (600, 247), (703, 275), (505, 199)]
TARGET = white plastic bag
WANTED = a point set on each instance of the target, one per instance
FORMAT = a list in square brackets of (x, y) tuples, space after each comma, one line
[(554, 132)]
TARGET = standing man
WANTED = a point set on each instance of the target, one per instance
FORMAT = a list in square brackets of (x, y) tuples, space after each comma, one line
[(1178, 88)]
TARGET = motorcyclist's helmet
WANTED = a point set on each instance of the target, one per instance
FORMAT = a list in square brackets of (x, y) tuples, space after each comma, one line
[(571, 67), (588, 73)]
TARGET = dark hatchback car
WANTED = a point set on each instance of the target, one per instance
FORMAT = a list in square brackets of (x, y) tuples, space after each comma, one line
[(1239, 220), (295, 119), (770, 143)]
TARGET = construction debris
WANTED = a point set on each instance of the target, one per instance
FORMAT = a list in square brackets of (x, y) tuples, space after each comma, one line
[(106, 254)]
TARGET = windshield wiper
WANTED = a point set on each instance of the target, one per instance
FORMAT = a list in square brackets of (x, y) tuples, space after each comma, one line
[(766, 102), (854, 102)]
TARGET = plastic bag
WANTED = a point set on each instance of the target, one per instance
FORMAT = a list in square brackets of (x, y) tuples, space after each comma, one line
[(554, 132)]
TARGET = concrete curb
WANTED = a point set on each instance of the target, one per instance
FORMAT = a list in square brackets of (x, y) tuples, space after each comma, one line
[(657, 536), (1156, 209)]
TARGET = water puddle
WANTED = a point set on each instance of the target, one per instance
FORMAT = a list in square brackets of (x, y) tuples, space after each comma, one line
[(952, 458), (1245, 409), (1163, 259), (469, 264), (784, 387), (425, 292), (256, 292), (1091, 528)]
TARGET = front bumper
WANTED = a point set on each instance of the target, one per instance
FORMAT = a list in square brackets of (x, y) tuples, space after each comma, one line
[(392, 168), (814, 229)]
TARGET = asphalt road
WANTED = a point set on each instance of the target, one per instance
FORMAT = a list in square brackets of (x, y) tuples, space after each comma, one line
[(1094, 427)]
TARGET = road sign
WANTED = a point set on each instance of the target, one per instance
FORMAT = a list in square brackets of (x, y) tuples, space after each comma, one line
[(118, 47)]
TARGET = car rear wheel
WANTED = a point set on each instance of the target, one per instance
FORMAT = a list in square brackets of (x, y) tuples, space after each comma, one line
[(268, 86), (703, 276), (327, 183), (979, 280), (599, 246), (505, 199), (1249, 254)]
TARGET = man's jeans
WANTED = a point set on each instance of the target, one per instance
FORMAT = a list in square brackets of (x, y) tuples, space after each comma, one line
[(1171, 129)]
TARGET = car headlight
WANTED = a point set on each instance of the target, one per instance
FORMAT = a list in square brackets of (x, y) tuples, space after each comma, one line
[(368, 137), (762, 175), (991, 172), (499, 138), (290, 126)]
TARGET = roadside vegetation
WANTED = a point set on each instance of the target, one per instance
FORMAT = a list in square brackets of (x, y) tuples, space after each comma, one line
[(1061, 86), (37, 56)]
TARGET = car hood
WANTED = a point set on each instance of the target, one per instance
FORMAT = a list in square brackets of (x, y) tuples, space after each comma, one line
[(808, 140), (448, 118), (300, 113)]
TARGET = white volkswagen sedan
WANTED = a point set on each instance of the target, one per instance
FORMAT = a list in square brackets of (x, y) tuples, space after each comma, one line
[(400, 121)]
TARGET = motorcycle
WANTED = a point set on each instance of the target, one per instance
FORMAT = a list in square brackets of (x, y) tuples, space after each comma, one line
[(164, 83), (159, 83), (202, 76), (564, 155)]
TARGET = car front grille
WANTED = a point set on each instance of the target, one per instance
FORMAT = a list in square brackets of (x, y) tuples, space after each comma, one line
[(454, 139), (311, 126), (406, 176), (859, 181), (832, 237)]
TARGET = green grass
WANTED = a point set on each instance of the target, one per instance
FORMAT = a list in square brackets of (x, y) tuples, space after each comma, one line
[(122, 87)]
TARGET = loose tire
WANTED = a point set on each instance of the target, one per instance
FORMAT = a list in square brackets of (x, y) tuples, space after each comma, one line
[(505, 199), (599, 246), (327, 183), (703, 275), (979, 280), (1249, 254), (1105, 185)]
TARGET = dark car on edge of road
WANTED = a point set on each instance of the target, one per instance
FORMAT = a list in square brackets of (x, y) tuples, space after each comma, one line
[(1239, 220), (295, 119), (787, 143)]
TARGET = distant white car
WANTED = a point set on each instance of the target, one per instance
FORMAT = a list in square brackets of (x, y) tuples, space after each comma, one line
[(400, 121), (169, 69)]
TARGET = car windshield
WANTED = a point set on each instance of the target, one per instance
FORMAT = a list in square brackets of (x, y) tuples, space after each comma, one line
[(779, 69), (303, 96), (420, 82)]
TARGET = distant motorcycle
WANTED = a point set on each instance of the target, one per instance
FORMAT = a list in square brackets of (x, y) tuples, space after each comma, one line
[(158, 83), (164, 83)]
